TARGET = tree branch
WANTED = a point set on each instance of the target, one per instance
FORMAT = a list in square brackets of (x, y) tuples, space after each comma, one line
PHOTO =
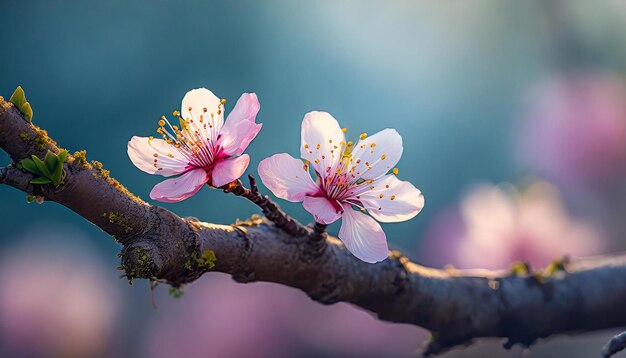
[(458, 306)]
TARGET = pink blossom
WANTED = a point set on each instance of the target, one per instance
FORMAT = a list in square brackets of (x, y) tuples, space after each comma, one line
[(496, 226), (205, 149), (347, 175), (574, 130)]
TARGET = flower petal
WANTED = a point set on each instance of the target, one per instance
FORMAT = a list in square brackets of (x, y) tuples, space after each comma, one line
[(240, 127), (324, 210), (287, 177), (180, 188), (363, 236), (377, 154), (169, 160), (227, 170), (392, 200), (321, 141), (200, 106)]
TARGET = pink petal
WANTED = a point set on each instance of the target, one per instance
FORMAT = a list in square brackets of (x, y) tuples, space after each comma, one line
[(400, 200), (363, 236), (321, 130), (180, 188), (198, 100), (246, 109), (227, 170), (142, 150), (385, 144), (240, 127), (287, 177), (324, 210)]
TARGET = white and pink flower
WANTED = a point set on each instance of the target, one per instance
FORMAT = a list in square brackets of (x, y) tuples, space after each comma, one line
[(347, 175), (204, 150)]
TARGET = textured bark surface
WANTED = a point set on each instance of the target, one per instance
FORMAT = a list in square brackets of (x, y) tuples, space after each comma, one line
[(457, 306)]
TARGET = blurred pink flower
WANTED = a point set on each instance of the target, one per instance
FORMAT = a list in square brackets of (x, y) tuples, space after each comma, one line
[(55, 299), (495, 226), (574, 130), (347, 175), (217, 317), (205, 149)]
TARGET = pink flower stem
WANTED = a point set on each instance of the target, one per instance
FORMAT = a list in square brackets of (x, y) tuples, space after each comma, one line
[(269, 208)]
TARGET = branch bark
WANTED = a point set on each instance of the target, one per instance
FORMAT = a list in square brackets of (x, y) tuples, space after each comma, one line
[(457, 306)]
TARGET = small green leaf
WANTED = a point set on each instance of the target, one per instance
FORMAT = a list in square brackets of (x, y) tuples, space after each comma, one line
[(51, 161), (58, 174), (62, 156), (41, 166), (30, 198), (18, 98), (27, 110), (41, 181), (19, 165), (30, 165)]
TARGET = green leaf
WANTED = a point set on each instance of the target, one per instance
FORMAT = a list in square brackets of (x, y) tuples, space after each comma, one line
[(58, 174), (19, 165), (51, 161), (27, 110), (41, 181), (30, 165), (18, 98), (41, 166), (62, 156), (30, 198)]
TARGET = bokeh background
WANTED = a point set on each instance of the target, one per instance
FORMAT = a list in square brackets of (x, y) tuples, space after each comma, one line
[(513, 115)]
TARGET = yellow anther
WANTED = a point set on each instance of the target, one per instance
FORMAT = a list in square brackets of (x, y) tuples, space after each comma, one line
[(395, 171), (380, 195), (344, 129), (176, 113), (306, 146), (161, 123), (372, 145), (393, 197), (223, 101), (317, 147), (171, 156), (155, 155), (317, 161), (363, 135), (383, 156)]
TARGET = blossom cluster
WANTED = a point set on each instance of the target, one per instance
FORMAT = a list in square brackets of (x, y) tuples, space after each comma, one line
[(203, 148)]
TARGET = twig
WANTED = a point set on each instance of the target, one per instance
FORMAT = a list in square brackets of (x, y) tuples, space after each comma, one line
[(270, 209)]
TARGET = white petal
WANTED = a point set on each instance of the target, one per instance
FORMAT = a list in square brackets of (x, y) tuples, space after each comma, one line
[(321, 141), (363, 236), (180, 188), (287, 177), (325, 211), (392, 200), (369, 154), (169, 160), (206, 114)]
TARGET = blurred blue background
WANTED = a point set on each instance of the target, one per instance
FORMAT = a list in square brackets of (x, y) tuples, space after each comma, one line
[(473, 87)]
